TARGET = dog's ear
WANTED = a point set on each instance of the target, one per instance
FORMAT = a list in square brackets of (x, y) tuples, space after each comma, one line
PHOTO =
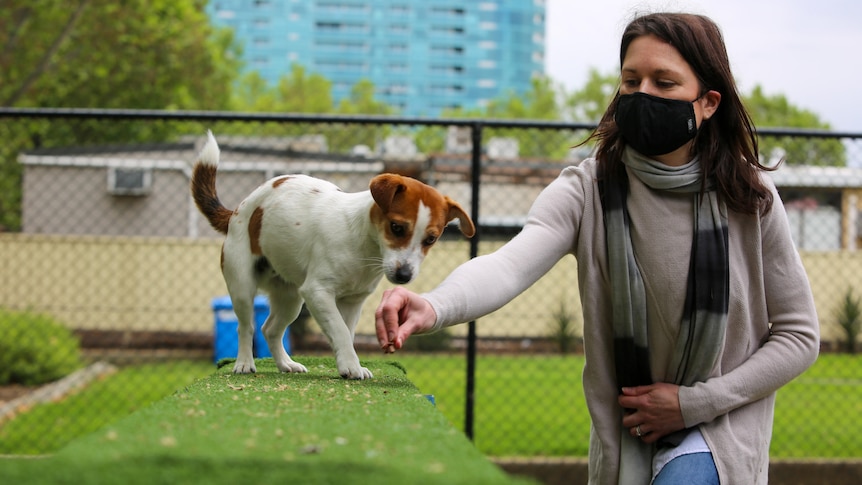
[(384, 188), (464, 221)]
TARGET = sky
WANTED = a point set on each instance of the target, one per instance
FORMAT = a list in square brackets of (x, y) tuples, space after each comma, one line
[(808, 50)]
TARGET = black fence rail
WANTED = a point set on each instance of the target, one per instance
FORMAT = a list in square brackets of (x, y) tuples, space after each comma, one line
[(105, 260)]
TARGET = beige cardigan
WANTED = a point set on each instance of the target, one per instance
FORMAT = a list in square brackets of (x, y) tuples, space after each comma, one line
[(772, 332)]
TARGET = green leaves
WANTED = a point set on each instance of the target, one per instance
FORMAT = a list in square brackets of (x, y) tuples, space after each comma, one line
[(110, 54)]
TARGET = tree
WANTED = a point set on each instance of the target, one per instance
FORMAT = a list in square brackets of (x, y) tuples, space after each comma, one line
[(589, 103), (142, 54), (777, 111), (113, 54), (362, 101), (538, 103), (301, 91)]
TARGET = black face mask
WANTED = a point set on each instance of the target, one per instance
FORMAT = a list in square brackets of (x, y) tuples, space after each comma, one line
[(653, 125)]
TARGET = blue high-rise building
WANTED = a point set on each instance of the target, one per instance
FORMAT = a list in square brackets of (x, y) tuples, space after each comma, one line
[(423, 56)]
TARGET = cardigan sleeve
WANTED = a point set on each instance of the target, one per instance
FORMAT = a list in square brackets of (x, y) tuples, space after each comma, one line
[(486, 283), (793, 339)]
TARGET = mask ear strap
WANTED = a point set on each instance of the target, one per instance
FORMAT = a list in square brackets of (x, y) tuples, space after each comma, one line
[(702, 94)]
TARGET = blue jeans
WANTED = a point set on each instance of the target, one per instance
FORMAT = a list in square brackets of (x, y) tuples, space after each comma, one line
[(692, 469)]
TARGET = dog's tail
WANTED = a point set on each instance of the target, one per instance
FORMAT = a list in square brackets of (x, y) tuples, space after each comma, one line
[(204, 186)]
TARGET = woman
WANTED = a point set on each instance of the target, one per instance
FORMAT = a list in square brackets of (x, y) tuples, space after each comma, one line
[(696, 306)]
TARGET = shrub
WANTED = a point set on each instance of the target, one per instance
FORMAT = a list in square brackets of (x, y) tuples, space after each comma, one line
[(848, 315), (35, 349), (429, 342), (564, 329)]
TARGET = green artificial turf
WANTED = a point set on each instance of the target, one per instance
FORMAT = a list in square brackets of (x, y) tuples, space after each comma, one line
[(274, 428)]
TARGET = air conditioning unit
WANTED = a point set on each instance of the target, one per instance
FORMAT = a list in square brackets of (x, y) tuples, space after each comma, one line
[(129, 181)]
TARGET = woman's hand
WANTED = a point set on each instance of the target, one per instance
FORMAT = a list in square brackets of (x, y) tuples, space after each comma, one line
[(652, 411), (401, 313)]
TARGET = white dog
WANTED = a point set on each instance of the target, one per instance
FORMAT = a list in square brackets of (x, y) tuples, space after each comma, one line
[(302, 239)]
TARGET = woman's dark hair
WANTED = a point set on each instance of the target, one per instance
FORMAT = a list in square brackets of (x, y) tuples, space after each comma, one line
[(727, 142)]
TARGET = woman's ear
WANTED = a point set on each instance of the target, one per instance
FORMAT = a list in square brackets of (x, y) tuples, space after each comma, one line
[(709, 104)]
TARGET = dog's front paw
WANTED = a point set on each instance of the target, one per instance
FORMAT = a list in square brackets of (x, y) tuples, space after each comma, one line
[(292, 366), (244, 367), (355, 372)]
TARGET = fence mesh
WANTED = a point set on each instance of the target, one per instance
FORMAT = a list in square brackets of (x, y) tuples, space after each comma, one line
[(108, 269)]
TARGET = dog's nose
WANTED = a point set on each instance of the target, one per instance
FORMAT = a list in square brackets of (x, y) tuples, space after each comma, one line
[(403, 275)]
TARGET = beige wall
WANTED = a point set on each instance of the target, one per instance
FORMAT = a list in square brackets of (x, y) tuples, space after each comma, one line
[(168, 283)]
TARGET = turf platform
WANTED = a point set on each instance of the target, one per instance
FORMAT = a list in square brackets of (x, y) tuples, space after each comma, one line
[(313, 428)]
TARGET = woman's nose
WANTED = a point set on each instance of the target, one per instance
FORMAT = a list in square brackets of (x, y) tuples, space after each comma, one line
[(647, 87)]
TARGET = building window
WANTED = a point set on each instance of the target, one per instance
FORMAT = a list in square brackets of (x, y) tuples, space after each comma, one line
[(446, 89), (446, 50), (448, 11), (342, 7), (397, 89), (342, 65), (398, 67), (447, 30), (447, 69), (342, 27), (342, 46)]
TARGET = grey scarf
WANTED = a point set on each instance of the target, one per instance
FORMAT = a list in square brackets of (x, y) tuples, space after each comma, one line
[(704, 319)]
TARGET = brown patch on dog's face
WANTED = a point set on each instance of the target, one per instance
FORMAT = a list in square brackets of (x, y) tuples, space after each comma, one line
[(396, 210), (254, 227), (396, 214)]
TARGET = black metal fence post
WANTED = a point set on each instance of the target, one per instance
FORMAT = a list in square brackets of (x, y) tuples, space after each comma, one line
[(475, 176)]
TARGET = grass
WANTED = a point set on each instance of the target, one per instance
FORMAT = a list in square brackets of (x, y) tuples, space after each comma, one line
[(818, 414), (303, 428), (534, 405), (49, 427)]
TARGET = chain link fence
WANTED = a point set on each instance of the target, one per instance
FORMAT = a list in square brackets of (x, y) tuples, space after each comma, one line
[(109, 270)]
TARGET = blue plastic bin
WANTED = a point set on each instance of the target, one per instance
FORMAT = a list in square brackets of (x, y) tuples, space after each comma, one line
[(226, 341)]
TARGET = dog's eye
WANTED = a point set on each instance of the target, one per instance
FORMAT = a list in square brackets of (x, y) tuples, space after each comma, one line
[(398, 230), (429, 240)]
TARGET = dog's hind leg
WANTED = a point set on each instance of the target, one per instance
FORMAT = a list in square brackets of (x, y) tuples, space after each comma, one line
[(242, 286), (243, 306), (285, 305)]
